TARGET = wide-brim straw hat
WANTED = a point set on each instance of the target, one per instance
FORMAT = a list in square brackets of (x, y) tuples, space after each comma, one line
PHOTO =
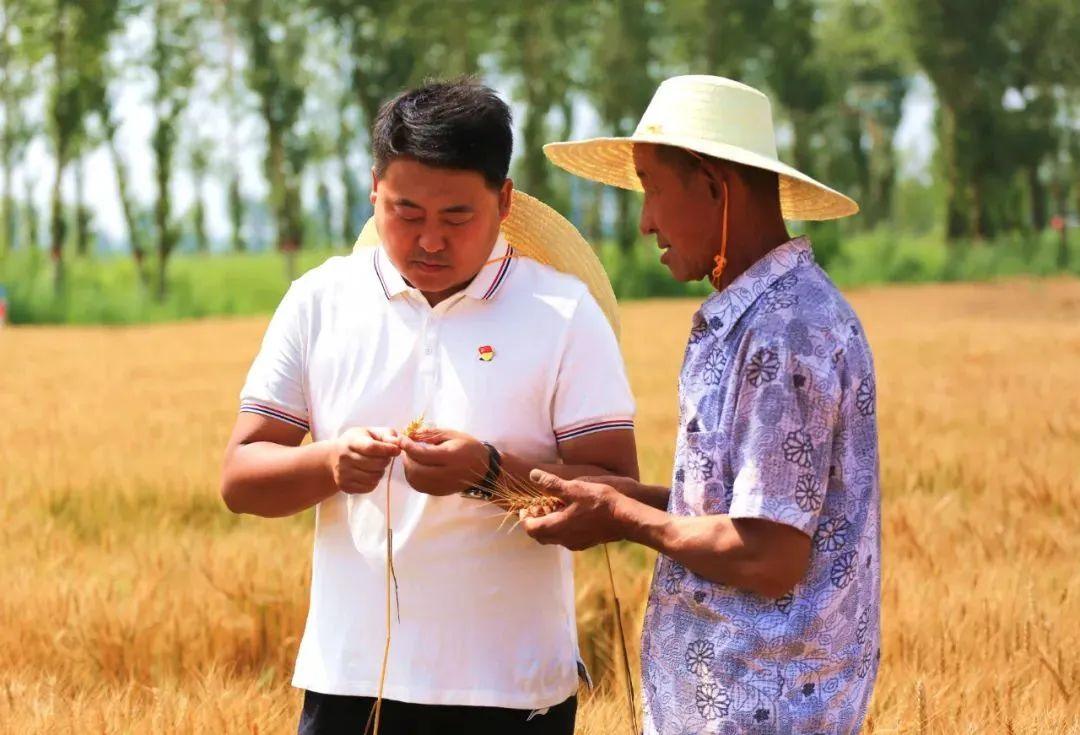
[(713, 116), (537, 231)]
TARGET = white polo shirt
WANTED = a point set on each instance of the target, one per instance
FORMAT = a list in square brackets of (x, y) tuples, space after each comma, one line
[(486, 615)]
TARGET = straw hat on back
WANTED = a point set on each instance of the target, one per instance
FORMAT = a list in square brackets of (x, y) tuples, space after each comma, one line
[(713, 116), (537, 231)]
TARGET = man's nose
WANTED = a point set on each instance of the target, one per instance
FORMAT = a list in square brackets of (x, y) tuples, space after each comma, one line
[(431, 239), (645, 223)]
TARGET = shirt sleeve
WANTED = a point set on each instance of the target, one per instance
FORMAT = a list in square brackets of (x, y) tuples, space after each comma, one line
[(786, 414), (591, 390), (275, 383)]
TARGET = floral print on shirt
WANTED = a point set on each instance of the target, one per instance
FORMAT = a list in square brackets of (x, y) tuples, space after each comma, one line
[(777, 421)]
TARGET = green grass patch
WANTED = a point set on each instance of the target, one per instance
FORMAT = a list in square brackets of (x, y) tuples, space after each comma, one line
[(108, 290)]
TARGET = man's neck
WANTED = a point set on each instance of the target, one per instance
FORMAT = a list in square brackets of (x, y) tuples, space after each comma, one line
[(434, 298), (748, 244)]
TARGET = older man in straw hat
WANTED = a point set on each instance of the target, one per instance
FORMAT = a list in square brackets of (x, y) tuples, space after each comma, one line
[(477, 308), (763, 614)]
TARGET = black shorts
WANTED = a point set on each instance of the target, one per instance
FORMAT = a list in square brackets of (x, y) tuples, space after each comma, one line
[(332, 714)]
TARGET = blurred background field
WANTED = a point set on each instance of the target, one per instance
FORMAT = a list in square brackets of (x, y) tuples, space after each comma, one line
[(164, 159), (132, 601)]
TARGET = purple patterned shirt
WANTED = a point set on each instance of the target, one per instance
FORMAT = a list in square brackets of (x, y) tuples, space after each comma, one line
[(777, 404)]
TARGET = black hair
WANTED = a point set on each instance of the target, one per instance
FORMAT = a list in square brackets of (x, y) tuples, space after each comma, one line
[(457, 124)]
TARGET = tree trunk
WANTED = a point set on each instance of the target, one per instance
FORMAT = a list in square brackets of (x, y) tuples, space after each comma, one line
[(593, 218), (349, 227), (31, 215), (324, 212), (348, 181), (135, 232), (534, 165), (82, 220), (293, 226), (7, 208), (957, 223), (7, 213), (885, 183), (7, 229), (626, 224), (236, 214), (800, 145), (202, 242), (853, 132), (567, 109), (977, 223), (163, 143), (160, 277), (198, 214), (534, 168), (275, 176), (1037, 192), (57, 226)]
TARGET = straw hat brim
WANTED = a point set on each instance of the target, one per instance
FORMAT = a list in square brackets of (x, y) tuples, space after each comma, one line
[(537, 231), (611, 161)]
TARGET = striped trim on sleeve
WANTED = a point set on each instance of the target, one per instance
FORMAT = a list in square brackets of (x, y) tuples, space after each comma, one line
[(592, 427), (275, 413)]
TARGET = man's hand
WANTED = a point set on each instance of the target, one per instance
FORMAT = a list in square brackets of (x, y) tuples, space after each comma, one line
[(586, 519), (655, 496), (446, 462), (359, 457), (627, 486)]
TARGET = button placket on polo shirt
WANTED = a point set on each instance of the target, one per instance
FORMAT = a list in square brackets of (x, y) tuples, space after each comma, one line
[(427, 372), (431, 326)]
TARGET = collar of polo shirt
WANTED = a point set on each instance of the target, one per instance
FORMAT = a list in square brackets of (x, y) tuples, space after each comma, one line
[(483, 286)]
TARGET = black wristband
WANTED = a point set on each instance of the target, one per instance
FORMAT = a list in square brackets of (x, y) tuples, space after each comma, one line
[(484, 488)]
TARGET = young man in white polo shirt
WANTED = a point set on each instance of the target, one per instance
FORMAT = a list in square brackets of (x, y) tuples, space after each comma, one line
[(514, 364)]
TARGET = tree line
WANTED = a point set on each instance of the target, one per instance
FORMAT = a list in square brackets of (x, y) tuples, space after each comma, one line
[(1005, 73)]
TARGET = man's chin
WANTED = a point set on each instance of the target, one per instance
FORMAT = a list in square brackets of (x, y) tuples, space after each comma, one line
[(680, 273), (433, 281)]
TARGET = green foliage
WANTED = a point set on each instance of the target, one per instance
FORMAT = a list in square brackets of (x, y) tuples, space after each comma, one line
[(1006, 74), (978, 55), (109, 291), (172, 61), (275, 32)]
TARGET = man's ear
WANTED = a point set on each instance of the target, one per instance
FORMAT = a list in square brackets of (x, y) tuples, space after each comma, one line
[(716, 175), (374, 186), (506, 199)]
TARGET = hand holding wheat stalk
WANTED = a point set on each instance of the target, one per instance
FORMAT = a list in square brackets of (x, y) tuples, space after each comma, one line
[(523, 499), (414, 430)]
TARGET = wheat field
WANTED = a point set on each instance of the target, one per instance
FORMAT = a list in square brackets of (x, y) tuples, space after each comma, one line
[(131, 601)]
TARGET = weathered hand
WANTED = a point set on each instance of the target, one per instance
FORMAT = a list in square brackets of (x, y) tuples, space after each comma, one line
[(625, 485), (586, 519), (444, 462), (359, 457)]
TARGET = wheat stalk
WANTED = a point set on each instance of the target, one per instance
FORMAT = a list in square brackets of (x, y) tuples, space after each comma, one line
[(519, 499), (414, 430), (631, 704), (525, 499)]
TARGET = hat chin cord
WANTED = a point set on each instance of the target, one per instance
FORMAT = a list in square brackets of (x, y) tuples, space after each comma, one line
[(720, 259)]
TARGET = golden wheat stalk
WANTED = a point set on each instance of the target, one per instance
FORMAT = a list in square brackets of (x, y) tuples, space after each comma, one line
[(518, 499), (414, 430), (524, 498), (630, 701)]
